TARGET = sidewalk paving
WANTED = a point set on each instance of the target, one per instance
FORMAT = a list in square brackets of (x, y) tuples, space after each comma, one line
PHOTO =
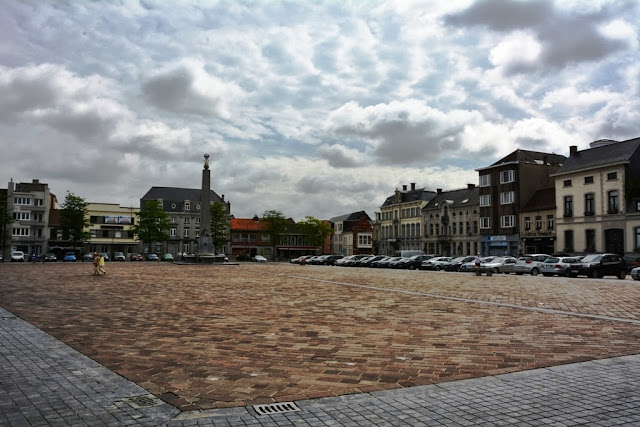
[(390, 348), (44, 382)]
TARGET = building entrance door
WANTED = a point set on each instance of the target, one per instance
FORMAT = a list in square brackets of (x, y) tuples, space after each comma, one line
[(614, 241)]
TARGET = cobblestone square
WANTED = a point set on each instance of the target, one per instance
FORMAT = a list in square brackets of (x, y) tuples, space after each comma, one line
[(202, 337)]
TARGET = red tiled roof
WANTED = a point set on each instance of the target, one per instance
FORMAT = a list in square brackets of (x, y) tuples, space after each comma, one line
[(246, 224)]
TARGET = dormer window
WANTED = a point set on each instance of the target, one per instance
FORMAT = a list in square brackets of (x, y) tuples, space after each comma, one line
[(187, 206)]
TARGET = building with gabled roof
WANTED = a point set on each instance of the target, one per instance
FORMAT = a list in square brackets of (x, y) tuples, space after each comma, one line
[(451, 222), (598, 198), (182, 206), (505, 188), (341, 224), (398, 224)]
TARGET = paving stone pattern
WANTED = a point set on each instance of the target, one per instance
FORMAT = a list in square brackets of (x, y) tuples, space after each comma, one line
[(45, 382), (203, 337)]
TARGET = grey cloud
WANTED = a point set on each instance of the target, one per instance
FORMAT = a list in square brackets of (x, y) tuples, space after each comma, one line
[(565, 38), (503, 15), (403, 133), (187, 88), (404, 142), (338, 156), (576, 40)]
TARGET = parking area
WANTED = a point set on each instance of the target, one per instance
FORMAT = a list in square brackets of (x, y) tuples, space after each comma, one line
[(202, 337)]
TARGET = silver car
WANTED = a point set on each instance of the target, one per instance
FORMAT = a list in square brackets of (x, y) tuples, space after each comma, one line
[(558, 266), (530, 264), (500, 264)]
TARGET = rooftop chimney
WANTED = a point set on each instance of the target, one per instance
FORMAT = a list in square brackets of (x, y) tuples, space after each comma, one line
[(439, 190), (36, 181), (471, 186), (222, 197), (413, 185), (404, 188), (573, 149)]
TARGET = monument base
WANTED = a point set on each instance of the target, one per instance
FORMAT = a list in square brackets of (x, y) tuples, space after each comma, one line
[(203, 259)]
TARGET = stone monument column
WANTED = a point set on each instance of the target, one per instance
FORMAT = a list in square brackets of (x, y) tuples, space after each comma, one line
[(205, 240)]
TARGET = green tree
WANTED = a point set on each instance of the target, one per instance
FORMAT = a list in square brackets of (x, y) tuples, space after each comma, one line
[(315, 230), (5, 220), (218, 226), (152, 224), (275, 226), (74, 218)]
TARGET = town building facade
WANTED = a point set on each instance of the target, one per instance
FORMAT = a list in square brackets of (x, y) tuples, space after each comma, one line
[(537, 223), (28, 207), (505, 188), (342, 237), (598, 199), (110, 227), (357, 236), (182, 206), (451, 222), (400, 220)]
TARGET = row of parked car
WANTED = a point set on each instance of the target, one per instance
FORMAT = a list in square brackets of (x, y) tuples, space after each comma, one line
[(593, 265), (19, 256)]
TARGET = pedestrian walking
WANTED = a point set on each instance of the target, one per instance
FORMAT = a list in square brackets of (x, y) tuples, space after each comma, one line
[(96, 264), (101, 264)]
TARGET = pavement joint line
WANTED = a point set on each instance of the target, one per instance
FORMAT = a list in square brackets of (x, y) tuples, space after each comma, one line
[(469, 300)]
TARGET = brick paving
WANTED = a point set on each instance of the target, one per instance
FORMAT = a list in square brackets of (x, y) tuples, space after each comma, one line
[(203, 337)]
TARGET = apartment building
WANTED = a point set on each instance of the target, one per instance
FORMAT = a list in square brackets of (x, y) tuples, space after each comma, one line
[(505, 188), (28, 206), (400, 220), (598, 198), (451, 222), (110, 227)]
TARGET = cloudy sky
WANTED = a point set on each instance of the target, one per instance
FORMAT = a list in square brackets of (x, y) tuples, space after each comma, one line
[(312, 108)]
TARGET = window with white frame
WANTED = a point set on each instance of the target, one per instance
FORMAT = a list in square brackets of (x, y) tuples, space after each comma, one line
[(187, 206), (485, 200), (507, 197), (485, 180), (20, 231), (173, 232), (507, 176), (21, 201), (22, 216), (485, 222), (507, 221), (187, 220), (38, 202), (186, 232)]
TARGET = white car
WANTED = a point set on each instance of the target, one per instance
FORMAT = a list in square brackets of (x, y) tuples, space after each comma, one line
[(530, 264), (635, 273), (258, 258), (558, 265), (471, 265), (436, 263), (17, 256), (500, 264)]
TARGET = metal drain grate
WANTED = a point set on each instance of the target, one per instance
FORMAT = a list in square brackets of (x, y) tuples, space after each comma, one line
[(276, 408), (144, 401)]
